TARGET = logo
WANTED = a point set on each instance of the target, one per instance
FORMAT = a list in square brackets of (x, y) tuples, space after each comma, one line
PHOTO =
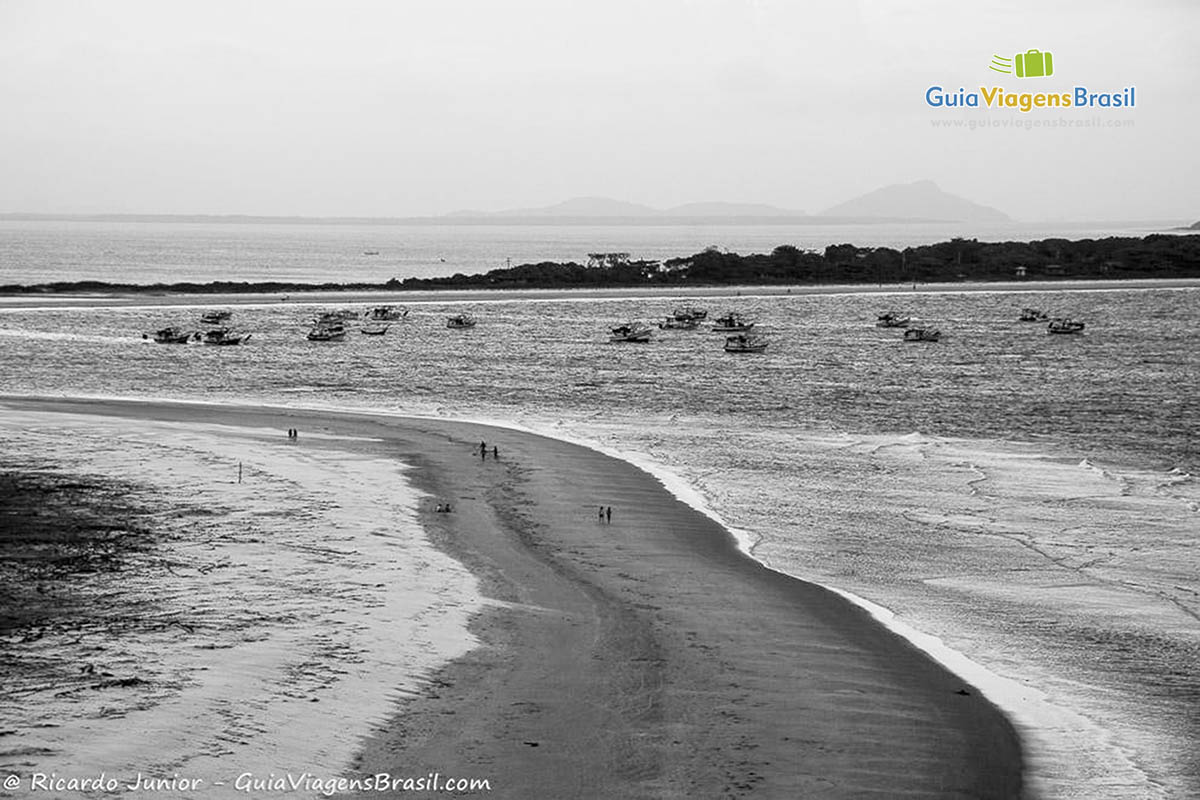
[(1030, 64)]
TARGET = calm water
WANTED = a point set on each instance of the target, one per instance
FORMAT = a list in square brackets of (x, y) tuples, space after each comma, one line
[(1026, 498)]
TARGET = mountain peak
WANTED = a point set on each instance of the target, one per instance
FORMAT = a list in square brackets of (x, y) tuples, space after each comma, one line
[(918, 200)]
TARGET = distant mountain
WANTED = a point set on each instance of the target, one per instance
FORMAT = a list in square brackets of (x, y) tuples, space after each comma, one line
[(912, 201)]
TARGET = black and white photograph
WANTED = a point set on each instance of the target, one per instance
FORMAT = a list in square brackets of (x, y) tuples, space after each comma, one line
[(599, 400)]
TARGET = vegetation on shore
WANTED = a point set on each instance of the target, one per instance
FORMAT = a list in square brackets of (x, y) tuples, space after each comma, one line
[(1113, 258)]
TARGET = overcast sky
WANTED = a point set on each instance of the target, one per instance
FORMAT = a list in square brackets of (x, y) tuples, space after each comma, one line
[(413, 108)]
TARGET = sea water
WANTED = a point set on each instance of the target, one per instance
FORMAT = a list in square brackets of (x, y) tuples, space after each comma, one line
[(1026, 499)]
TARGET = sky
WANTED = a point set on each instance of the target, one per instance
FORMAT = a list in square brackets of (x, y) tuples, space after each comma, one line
[(373, 108)]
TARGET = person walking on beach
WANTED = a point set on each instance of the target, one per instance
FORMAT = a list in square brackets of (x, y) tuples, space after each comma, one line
[(608, 515), (482, 451), (600, 512), (495, 453)]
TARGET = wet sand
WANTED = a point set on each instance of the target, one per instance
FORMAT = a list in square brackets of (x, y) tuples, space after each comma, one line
[(646, 657)]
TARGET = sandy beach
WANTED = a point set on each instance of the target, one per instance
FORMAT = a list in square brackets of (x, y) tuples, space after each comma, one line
[(642, 657)]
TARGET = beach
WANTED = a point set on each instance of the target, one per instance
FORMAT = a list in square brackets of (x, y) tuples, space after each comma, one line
[(646, 656)]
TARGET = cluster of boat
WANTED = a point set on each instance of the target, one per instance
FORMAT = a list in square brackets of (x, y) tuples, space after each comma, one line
[(1054, 325), (742, 339), (890, 319), (331, 325), (218, 331)]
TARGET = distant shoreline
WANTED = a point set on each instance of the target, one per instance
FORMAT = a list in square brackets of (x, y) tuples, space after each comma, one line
[(956, 261), (169, 299)]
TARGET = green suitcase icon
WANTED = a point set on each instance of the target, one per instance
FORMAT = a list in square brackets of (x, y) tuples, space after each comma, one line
[(1034, 64)]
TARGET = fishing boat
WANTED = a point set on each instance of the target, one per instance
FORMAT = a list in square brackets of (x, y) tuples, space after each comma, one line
[(745, 343), (328, 331), (385, 313), (922, 335), (1064, 325), (630, 332), (375, 328), (890, 319), (225, 336), (1033, 315), (732, 323), (689, 313), (172, 335), (460, 321), (215, 317)]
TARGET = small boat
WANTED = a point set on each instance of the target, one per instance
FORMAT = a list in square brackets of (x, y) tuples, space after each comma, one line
[(1033, 315), (370, 252), (172, 335), (1064, 325), (689, 313), (890, 319), (745, 343), (630, 332), (215, 317), (678, 323), (385, 313), (375, 328), (732, 323), (460, 321), (223, 336), (922, 335), (326, 332)]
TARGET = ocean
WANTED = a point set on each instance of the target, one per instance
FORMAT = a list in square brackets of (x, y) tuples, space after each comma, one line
[(1025, 500)]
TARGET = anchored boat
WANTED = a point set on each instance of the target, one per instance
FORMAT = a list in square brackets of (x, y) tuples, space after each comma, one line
[(225, 336), (630, 332), (745, 343), (385, 314), (1064, 325), (732, 323), (922, 335), (375, 329), (172, 335), (890, 319)]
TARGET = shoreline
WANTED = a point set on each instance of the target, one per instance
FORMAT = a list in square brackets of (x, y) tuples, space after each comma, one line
[(423, 297), (771, 683)]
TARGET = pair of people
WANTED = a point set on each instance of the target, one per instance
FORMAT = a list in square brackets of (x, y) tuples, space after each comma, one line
[(605, 514), (442, 508)]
